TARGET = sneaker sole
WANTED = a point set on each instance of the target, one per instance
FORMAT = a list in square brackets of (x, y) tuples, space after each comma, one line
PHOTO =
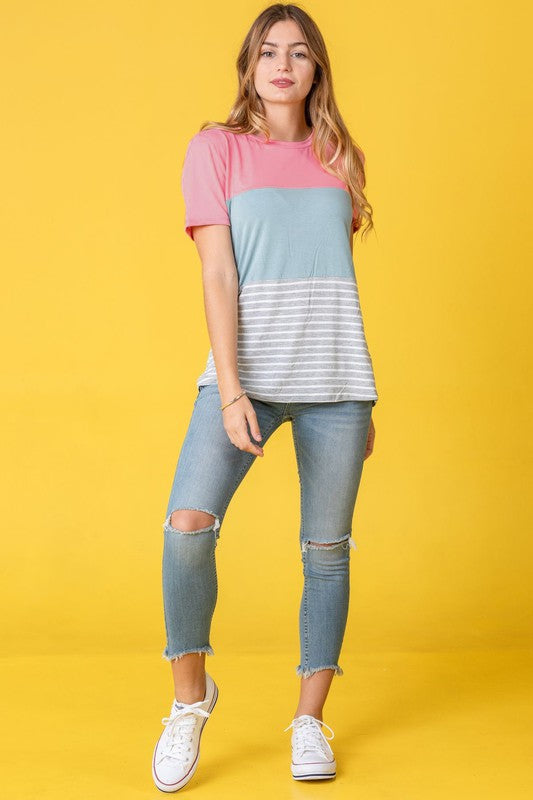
[(174, 787), (312, 776)]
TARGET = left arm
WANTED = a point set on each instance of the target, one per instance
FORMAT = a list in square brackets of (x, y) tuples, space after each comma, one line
[(371, 430)]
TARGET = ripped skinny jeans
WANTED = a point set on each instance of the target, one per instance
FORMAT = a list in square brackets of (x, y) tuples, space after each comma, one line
[(330, 441)]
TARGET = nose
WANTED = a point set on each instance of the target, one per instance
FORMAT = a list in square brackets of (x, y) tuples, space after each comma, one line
[(284, 61)]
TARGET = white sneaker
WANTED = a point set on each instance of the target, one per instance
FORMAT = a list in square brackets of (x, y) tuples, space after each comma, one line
[(177, 751), (312, 757)]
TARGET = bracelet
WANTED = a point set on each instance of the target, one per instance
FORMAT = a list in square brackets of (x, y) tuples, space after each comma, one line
[(234, 399)]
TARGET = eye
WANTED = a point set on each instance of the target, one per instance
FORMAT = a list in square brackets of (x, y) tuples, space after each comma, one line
[(267, 52)]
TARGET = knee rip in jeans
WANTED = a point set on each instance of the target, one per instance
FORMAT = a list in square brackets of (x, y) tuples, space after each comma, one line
[(169, 524), (345, 542)]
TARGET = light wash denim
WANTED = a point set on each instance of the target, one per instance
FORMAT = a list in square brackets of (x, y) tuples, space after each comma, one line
[(330, 441)]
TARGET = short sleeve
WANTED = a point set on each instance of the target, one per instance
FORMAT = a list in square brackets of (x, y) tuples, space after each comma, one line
[(203, 181)]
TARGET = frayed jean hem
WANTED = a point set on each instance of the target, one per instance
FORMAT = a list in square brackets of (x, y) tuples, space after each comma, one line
[(207, 649), (307, 672)]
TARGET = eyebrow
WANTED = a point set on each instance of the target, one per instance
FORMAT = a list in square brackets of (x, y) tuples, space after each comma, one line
[(291, 44)]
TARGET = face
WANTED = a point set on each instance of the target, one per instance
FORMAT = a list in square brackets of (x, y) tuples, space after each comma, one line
[(283, 55)]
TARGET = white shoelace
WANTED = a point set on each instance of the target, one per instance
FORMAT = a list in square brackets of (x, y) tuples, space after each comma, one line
[(307, 735), (179, 733)]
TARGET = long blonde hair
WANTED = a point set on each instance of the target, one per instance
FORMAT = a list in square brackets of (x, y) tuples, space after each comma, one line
[(247, 114)]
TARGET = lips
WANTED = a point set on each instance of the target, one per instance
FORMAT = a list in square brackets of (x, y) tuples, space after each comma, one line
[(282, 82)]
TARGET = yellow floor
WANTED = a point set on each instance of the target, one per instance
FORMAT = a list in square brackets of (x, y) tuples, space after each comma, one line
[(407, 726)]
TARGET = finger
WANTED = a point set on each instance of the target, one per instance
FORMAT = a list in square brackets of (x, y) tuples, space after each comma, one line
[(247, 445), (254, 426), (254, 447)]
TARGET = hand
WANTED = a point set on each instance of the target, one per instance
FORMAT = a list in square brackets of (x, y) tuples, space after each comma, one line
[(234, 418), (370, 439)]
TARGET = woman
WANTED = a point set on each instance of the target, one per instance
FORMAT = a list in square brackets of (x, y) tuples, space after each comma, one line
[(273, 197)]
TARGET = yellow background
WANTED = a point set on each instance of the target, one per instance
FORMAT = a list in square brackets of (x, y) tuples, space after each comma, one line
[(104, 336)]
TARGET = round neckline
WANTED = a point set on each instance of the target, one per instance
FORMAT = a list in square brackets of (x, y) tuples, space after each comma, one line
[(301, 143)]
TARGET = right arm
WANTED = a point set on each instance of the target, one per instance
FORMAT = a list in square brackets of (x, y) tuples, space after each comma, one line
[(220, 287)]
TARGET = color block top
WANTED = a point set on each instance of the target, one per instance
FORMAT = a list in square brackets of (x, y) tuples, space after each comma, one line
[(300, 330)]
